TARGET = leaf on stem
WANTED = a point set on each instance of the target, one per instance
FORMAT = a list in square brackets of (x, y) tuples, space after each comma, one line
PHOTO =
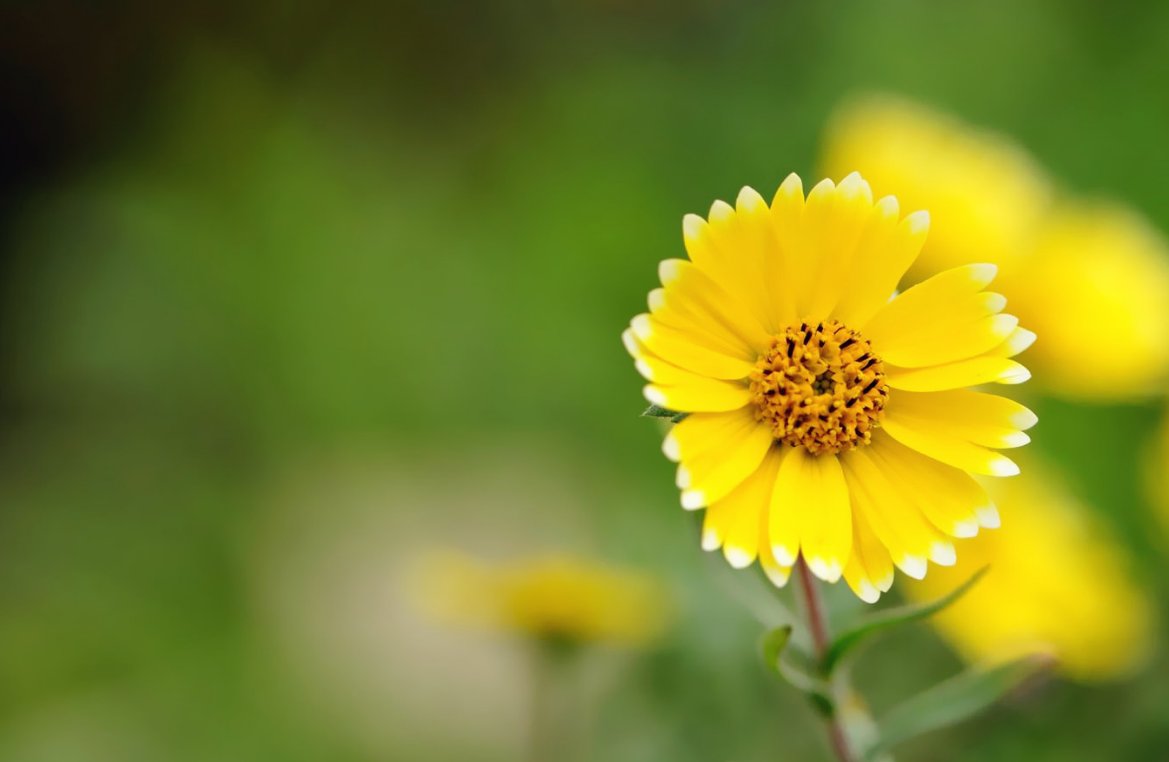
[(850, 639), (776, 655), (953, 701)]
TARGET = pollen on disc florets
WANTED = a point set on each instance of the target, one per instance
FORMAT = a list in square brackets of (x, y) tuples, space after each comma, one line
[(820, 387)]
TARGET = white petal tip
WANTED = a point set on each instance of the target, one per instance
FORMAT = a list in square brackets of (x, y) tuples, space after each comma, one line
[(943, 554), (668, 271), (692, 226), (1003, 466), (682, 477), (710, 540), (642, 327), (868, 592), (643, 368), (783, 556), (886, 583), (829, 571), (670, 447), (1015, 375), (964, 530), (983, 273), (749, 200), (1024, 419), (630, 342), (655, 395), (778, 576), (918, 223), (693, 499), (737, 557), (656, 300), (914, 566), (720, 211), (988, 517), (1016, 439)]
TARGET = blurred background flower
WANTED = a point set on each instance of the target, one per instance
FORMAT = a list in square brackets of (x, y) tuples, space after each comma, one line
[(293, 292), (1056, 583), (554, 597)]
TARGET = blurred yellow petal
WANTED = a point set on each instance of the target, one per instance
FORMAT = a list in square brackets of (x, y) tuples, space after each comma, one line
[(1096, 291), (1057, 583)]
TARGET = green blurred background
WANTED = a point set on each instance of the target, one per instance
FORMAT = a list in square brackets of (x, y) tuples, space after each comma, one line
[(293, 292)]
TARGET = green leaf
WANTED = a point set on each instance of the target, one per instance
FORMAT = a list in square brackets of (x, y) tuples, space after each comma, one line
[(850, 639), (776, 655), (953, 701), (653, 411)]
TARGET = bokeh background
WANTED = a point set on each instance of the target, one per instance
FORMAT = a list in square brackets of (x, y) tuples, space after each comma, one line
[(293, 293)]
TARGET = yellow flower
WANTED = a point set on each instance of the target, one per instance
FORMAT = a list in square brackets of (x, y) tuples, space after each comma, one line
[(555, 596), (1073, 270), (827, 420), (1056, 583)]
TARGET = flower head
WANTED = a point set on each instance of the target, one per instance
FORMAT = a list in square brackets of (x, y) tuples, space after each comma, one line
[(1056, 583), (551, 597), (826, 419), (1079, 273)]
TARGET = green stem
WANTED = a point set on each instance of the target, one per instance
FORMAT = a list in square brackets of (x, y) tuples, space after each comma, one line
[(818, 625)]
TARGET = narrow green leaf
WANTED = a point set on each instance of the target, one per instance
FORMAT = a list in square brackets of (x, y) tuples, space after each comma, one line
[(653, 411), (953, 701), (850, 639)]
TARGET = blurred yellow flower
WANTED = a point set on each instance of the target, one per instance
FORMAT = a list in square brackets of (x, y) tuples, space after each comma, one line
[(555, 597), (826, 420), (1098, 276), (1057, 583), (1079, 274)]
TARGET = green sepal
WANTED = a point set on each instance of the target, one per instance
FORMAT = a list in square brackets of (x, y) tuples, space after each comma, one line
[(953, 701), (778, 658), (654, 411), (849, 640)]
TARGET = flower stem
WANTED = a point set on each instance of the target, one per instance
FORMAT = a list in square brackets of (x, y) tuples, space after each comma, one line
[(818, 625)]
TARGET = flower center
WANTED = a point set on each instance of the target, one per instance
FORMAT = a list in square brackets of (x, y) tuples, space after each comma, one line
[(820, 387)]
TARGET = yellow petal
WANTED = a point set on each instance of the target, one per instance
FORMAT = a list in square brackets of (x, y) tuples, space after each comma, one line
[(690, 350), (1019, 341), (720, 249), (700, 433), (984, 419), (921, 306), (745, 509), (900, 526), (699, 395), (941, 445), (986, 369), (692, 296), (812, 494), (950, 498), (834, 219), (869, 571), (885, 251), (712, 475), (984, 193)]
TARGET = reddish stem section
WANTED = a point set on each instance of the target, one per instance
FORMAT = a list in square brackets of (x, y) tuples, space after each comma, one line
[(818, 625)]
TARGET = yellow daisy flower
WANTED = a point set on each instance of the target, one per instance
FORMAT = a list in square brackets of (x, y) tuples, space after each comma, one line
[(1056, 584), (826, 419), (1072, 269), (549, 597)]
